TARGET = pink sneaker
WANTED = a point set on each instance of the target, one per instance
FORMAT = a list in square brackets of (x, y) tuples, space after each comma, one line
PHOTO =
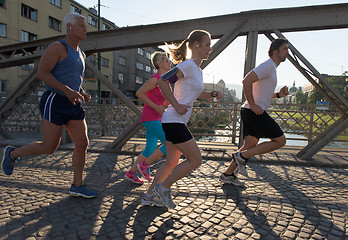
[(133, 177), (145, 170)]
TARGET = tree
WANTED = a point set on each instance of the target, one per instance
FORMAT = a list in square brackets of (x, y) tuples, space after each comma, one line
[(338, 82), (300, 97)]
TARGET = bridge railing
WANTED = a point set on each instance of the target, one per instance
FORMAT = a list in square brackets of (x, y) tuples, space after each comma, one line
[(210, 121)]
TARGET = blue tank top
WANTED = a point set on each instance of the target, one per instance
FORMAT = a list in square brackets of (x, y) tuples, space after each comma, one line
[(69, 71)]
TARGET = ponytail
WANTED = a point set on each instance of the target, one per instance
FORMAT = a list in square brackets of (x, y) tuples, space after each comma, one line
[(179, 52)]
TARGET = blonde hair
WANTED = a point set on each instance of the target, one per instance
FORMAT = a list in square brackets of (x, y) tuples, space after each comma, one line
[(179, 52), (158, 57)]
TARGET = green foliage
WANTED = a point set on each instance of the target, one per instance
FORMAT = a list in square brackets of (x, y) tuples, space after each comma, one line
[(338, 82)]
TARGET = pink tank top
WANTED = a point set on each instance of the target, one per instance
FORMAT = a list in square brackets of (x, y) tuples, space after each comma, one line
[(156, 96)]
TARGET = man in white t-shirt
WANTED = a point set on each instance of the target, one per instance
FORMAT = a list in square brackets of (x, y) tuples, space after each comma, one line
[(258, 86)]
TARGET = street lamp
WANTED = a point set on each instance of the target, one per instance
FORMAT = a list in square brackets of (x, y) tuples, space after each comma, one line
[(98, 55)]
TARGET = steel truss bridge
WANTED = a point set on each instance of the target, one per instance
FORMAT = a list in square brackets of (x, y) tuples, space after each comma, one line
[(272, 23)]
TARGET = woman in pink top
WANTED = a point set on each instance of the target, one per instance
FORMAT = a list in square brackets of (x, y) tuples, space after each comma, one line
[(154, 107)]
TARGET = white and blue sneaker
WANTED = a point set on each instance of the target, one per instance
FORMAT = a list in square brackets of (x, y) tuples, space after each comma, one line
[(82, 191)]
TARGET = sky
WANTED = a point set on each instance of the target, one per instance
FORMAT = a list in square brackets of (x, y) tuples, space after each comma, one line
[(229, 65)]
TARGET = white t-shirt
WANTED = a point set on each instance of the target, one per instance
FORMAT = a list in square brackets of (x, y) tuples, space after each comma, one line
[(186, 91), (263, 89)]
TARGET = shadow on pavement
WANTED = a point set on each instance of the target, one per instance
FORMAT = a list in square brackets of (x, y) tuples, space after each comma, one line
[(256, 218)]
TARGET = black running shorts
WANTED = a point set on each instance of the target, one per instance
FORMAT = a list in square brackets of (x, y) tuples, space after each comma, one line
[(259, 126), (176, 132)]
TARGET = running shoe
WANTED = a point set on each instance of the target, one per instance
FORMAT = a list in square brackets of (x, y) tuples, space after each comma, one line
[(240, 163), (145, 170), (149, 199), (164, 195), (82, 191), (7, 162), (133, 177), (232, 179)]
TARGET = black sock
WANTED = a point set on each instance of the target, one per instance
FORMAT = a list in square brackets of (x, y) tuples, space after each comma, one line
[(246, 159), (228, 175)]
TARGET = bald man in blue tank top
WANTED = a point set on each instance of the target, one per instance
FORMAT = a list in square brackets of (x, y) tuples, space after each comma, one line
[(61, 68)]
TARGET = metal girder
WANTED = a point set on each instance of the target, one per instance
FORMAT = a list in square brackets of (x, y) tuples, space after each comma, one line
[(223, 42), (249, 23), (126, 135), (129, 132), (324, 87), (113, 88), (24, 53), (321, 17), (337, 99), (17, 96), (323, 139), (249, 64)]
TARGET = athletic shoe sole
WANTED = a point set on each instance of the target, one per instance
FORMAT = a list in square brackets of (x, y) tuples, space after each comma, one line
[(149, 203), (74, 194), (126, 177), (228, 182)]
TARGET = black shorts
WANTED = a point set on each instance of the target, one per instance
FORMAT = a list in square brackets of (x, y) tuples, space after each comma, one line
[(259, 126), (59, 109), (176, 132)]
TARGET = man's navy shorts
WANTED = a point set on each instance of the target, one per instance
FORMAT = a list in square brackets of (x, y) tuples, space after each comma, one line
[(259, 126), (59, 109)]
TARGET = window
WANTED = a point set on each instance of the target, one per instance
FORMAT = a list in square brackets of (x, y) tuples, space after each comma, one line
[(2, 86), (141, 51), (121, 77), (140, 66), (27, 36), (122, 61), (55, 24), (74, 9), (2, 30), (148, 55), (148, 68), (105, 62), (91, 58), (92, 20), (106, 27), (57, 3), (139, 80), (29, 12), (28, 66), (2, 3)]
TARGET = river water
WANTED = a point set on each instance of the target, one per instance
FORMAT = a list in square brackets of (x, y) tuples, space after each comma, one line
[(301, 143)]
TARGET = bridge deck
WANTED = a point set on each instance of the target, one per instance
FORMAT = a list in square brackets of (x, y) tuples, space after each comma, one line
[(329, 157)]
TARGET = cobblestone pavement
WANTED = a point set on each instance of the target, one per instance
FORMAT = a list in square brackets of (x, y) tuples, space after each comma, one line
[(277, 202)]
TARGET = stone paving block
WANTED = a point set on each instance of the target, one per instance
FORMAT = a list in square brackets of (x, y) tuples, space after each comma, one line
[(299, 197)]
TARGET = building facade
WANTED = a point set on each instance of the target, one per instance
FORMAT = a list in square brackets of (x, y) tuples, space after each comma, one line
[(28, 20), (227, 94), (132, 68)]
